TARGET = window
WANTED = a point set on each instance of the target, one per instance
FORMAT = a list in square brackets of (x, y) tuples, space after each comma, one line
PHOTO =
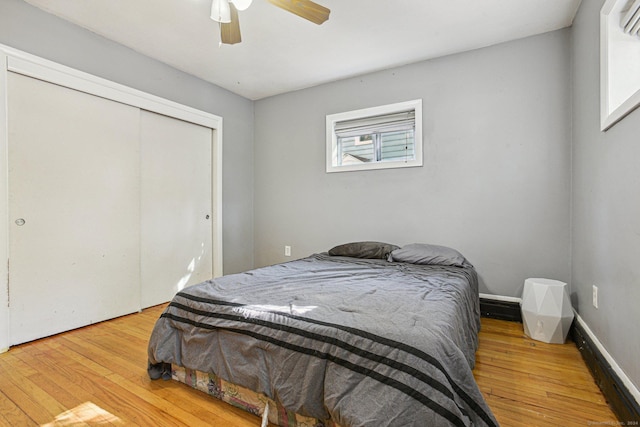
[(619, 61), (389, 136)]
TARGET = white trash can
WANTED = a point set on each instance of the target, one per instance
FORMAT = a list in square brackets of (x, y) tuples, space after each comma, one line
[(546, 310)]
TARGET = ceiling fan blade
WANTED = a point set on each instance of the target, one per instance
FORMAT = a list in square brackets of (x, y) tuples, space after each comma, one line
[(305, 9), (230, 33)]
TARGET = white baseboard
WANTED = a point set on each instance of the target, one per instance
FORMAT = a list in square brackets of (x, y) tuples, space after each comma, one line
[(501, 298)]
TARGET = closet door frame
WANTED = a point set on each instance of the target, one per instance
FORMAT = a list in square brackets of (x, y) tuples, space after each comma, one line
[(13, 60)]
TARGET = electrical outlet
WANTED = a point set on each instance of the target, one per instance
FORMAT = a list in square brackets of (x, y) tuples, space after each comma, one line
[(287, 251), (595, 296)]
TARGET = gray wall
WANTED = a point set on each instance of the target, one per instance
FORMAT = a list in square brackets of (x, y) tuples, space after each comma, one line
[(495, 182), (606, 205), (27, 28)]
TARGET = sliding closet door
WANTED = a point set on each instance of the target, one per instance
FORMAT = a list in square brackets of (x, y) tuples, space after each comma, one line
[(74, 207), (176, 206)]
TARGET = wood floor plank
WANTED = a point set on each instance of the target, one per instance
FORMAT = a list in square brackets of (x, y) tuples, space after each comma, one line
[(43, 405), (11, 414), (527, 382), (97, 375), (198, 404), (513, 413), (89, 353), (163, 405), (62, 380), (126, 404)]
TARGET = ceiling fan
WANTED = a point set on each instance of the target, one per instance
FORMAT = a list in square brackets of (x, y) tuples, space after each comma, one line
[(226, 13)]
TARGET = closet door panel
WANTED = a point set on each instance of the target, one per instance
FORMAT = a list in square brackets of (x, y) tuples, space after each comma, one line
[(74, 208), (176, 206)]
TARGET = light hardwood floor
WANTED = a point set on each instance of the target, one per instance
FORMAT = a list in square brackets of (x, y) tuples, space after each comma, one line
[(97, 376), (531, 383)]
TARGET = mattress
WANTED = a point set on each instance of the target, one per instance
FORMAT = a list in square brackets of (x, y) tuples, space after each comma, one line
[(354, 342)]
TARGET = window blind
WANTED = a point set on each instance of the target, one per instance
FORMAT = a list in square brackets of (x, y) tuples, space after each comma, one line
[(394, 122), (630, 21)]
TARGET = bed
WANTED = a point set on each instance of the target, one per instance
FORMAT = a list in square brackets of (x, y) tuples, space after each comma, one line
[(368, 334)]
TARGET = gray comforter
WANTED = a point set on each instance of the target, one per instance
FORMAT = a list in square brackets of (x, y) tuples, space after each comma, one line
[(361, 342)]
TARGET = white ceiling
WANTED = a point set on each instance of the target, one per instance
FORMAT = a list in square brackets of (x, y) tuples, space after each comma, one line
[(281, 52)]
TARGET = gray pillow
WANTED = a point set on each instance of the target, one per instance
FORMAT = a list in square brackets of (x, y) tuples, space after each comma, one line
[(422, 253), (370, 250)]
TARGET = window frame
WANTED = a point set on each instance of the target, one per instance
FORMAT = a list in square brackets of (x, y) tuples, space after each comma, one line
[(332, 139)]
